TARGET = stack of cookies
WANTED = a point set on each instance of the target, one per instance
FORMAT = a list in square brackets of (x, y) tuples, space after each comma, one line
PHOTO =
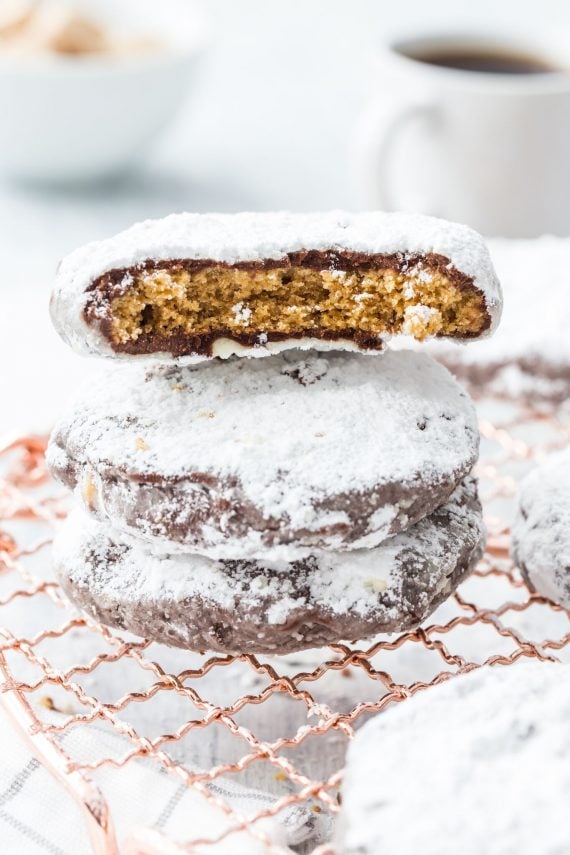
[(243, 504)]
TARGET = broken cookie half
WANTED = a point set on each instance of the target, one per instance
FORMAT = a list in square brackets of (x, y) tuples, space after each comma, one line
[(195, 286)]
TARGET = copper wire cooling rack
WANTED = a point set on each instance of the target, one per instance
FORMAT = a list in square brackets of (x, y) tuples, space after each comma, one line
[(281, 721)]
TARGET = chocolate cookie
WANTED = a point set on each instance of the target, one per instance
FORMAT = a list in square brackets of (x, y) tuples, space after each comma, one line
[(541, 531), (270, 607), (194, 286), (455, 769), (529, 357), (268, 458)]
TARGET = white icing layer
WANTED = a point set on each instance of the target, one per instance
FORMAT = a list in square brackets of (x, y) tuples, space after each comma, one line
[(283, 434), (478, 765), (541, 531), (233, 238)]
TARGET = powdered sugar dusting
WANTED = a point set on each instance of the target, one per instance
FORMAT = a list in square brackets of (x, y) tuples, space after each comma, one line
[(242, 313), (233, 238), (417, 317), (541, 532), (480, 764), (361, 583)]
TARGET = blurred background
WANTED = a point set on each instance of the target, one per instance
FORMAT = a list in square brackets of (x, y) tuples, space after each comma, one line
[(224, 105)]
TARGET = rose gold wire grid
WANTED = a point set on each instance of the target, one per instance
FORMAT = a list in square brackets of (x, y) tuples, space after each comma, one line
[(493, 619)]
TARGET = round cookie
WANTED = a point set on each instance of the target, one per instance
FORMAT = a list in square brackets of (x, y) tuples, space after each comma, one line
[(195, 286), (529, 356), (270, 607), (479, 764), (541, 531), (268, 458)]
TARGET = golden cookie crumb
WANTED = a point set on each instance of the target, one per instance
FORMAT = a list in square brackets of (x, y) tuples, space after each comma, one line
[(419, 301), (89, 491), (375, 585)]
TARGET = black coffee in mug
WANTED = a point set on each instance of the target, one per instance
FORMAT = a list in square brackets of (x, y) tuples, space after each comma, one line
[(490, 61), (490, 117)]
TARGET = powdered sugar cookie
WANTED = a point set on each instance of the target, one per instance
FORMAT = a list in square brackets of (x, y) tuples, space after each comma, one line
[(541, 532), (480, 764), (193, 286), (268, 458), (268, 607), (529, 356)]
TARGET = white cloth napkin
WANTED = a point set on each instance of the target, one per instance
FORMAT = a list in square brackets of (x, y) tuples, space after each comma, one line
[(36, 815)]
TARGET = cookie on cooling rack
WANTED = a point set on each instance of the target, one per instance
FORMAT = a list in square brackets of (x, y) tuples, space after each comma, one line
[(270, 607), (529, 357), (268, 458), (541, 531), (194, 286), (465, 760)]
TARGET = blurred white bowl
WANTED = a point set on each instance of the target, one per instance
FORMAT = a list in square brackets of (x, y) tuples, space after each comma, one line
[(65, 119)]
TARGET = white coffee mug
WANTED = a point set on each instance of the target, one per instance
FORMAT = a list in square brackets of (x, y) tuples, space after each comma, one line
[(488, 149)]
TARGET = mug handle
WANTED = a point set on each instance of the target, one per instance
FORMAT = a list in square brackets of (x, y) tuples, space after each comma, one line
[(374, 141)]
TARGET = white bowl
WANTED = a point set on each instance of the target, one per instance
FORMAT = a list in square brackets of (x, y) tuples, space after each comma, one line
[(78, 119)]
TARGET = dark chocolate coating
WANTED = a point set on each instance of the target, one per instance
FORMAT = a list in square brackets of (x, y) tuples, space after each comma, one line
[(179, 511), (111, 285), (102, 577)]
